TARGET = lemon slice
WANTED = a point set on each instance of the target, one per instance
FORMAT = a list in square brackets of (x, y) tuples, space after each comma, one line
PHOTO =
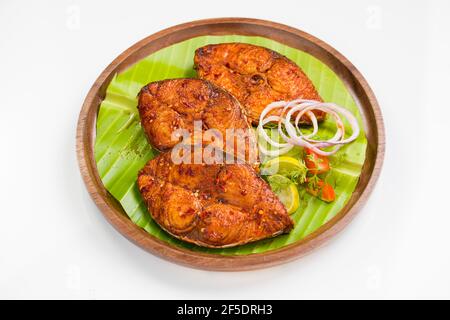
[(286, 191), (283, 165)]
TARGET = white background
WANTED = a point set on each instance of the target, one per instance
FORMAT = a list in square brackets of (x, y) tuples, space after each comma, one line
[(54, 242)]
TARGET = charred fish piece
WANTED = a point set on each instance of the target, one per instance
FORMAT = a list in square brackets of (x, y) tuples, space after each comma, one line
[(211, 205), (255, 75)]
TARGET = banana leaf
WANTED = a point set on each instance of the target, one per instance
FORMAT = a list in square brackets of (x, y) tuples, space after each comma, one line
[(121, 148)]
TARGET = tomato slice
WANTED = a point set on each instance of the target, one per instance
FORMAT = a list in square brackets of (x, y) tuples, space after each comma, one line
[(315, 163), (321, 189)]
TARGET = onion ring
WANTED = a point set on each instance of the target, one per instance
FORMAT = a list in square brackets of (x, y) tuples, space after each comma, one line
[(295, 137)]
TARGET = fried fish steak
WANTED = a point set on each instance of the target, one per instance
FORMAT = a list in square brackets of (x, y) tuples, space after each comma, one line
[(168, 106), (215, 205), (255, 75)]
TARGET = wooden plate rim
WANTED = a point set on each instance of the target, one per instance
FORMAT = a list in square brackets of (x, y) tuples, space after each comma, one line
[(115, 214)]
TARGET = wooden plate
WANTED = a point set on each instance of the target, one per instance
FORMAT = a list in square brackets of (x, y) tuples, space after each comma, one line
[(351, 77)]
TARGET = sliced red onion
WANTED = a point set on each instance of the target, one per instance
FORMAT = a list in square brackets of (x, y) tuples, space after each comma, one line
[(295, 136), (263, 133), (284, 147)]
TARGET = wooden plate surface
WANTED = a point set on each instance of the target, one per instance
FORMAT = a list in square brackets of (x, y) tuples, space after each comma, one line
[(352, 79)]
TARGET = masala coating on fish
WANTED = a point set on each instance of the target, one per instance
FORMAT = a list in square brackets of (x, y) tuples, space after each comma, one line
[(256, 76), (211, 205), (172, 106)]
